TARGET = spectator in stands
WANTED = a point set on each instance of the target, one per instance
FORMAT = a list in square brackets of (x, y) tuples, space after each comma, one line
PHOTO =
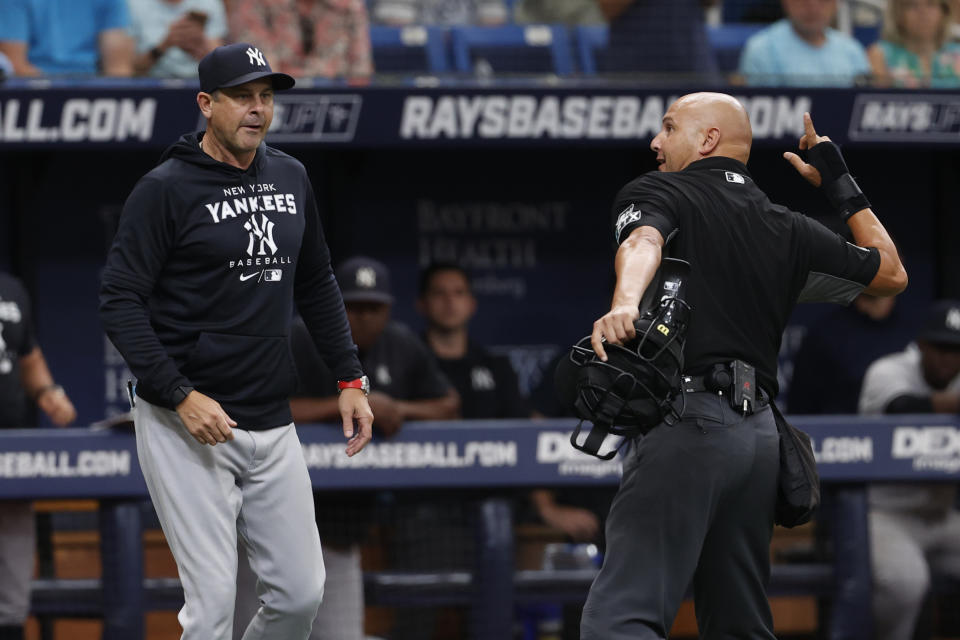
[(23, 374), (955, 24), (308, 38), (915, 50), (173, 35), (914, 528), (803, 50), (400, 13), (47, 37), (6, 67), (568, 12), (487, 384), (405, 385), (658, 37), (828, 368)]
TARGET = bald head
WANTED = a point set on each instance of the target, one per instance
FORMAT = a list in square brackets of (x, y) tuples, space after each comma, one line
[(702, 125)]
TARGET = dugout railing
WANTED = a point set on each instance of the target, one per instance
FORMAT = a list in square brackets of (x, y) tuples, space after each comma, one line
[(40, 464)]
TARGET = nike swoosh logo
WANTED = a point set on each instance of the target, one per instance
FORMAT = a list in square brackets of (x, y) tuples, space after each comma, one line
[(244, 278)]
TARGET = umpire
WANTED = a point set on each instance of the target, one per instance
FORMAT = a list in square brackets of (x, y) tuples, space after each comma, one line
[(214, 246), (696, 501)]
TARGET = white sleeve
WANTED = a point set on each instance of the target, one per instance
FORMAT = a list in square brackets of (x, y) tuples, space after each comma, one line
[(885, 380)]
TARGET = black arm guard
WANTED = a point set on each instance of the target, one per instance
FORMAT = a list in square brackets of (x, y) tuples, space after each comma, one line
[(909, 404), (836, 182)]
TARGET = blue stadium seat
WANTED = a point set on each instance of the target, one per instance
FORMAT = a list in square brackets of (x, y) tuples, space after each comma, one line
[(590, 38), (867, 34), (409, 49), (512, 49), (727, 41)]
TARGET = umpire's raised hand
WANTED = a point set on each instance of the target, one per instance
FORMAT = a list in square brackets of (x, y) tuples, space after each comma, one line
[(205, 419), (808, 141)]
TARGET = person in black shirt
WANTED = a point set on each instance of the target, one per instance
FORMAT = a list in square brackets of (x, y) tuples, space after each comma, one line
[(696, 500), (23, 374), (487, 383)]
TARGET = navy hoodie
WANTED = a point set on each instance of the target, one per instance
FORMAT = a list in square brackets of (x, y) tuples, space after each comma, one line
[(199, 283)]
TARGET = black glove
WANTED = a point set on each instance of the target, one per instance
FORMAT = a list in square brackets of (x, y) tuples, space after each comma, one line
[(836, 182)]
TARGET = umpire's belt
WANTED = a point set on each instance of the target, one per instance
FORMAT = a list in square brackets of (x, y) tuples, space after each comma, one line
[(736, 380)]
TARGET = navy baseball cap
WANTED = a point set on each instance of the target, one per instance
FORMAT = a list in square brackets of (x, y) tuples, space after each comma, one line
[(234, 64), (943, 323), (364, 279)]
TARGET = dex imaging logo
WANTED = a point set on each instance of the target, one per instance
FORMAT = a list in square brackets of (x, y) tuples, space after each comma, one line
[(930, 448), (256, 57), (554, 448)]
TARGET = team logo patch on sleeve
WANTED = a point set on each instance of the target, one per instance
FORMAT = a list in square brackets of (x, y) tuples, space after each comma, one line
[(627, 216)]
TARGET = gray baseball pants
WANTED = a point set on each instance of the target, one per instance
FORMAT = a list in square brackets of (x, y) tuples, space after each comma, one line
[(340, 616), (695, 506), (255, 486), (17, 546), (905, 547)]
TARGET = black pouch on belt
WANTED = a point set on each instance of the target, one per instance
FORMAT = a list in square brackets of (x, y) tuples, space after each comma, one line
[(798, 484)]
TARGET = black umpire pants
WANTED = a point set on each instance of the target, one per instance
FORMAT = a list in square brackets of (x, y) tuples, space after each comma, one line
[(695, 505)]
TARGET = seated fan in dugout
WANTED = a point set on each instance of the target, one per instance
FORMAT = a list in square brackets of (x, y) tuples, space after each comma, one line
[(633, 391)]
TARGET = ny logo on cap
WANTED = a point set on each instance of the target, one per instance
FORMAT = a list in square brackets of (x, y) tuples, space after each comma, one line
[(256, 56), (953, 319), (366, 277)]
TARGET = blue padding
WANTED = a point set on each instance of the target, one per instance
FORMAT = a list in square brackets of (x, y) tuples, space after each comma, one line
[(509, 39), (397, 49), (590, 38)]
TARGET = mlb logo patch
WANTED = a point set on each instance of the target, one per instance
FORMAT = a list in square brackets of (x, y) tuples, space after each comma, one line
[(734, 177), (272, 275)]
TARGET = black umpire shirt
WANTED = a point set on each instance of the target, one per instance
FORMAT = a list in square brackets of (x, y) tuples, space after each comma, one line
[(16, 341), (750, 260)]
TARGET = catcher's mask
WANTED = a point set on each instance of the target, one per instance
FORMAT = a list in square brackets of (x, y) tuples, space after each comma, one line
[(633, 391)]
